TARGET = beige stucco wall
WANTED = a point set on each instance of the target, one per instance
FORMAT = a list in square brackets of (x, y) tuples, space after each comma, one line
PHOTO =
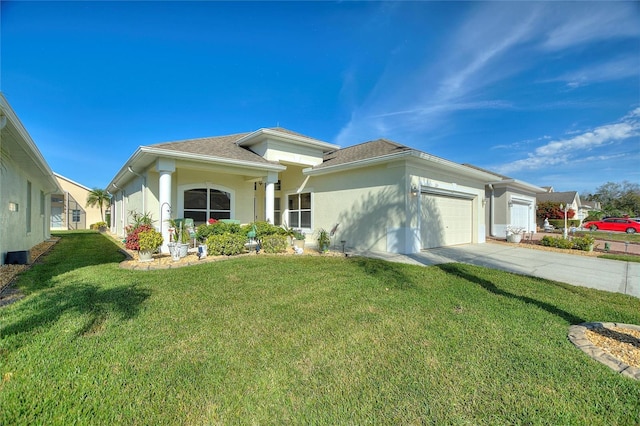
[(13, 224), (365, 203), (80, 193)]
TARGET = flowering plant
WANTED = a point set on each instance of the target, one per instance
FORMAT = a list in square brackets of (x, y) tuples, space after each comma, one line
[(212, 221)]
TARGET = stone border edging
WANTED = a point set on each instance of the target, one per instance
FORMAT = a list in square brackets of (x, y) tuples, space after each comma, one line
[(578, 338)]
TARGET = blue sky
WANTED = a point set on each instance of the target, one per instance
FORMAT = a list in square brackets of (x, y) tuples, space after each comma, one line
[(545, 92)]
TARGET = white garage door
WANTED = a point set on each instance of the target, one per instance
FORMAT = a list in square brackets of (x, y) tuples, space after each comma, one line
[(520, 216), (446, 221)]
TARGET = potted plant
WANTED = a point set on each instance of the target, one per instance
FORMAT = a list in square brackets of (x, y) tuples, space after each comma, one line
[(324, 241), (148, 241), (180, 247), (289, 233), (298, 239), (514, 233)]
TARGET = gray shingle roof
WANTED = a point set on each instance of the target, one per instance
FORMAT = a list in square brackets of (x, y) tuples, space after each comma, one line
[(363, 151), (218, 146), (557, 197)]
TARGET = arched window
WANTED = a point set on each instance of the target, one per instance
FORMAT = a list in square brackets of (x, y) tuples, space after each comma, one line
[(201, 204)]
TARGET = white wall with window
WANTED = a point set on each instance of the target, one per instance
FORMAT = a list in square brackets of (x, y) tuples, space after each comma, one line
[(202, 202), (299, 208)]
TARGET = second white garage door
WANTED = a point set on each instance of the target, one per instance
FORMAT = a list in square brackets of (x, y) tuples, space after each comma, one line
[(446, 221)]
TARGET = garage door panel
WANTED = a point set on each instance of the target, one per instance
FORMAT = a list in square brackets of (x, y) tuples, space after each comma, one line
[(446, 221)]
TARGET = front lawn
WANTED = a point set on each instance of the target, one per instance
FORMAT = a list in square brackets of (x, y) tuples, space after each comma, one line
[(301, 340)]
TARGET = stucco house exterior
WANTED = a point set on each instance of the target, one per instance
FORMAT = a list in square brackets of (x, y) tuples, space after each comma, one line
[(69, 209), (378, 195), (510, 202), (26, 183), (567, 198)]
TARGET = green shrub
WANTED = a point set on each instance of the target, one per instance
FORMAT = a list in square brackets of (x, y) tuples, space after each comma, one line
[(218, 228), (227, 244), (98, 225), (584, 243), (274, 244), (557, 242), (263, 228), (149, 240)]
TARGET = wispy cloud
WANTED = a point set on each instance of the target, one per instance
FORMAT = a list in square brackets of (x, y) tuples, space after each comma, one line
[(493, 42), (608, 71), (591, 22), (573, 149)]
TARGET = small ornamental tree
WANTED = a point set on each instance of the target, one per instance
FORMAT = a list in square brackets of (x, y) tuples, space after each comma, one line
[(551, 210)]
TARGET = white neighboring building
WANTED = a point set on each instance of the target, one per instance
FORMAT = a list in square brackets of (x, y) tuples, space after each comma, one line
[(26, 183)]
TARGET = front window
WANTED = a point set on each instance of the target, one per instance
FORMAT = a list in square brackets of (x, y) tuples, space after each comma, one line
[(300, 210), (75, 216), (276, 211), (202, 204)]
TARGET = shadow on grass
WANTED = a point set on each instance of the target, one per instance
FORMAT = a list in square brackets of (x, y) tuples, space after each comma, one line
[(76, 249), (98, 303), (461, 271), (52, 297), (390, 274)]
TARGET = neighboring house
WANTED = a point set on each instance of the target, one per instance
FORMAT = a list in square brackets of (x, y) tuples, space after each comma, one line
[(68, 208), (510, 202), (567, 198), (26, 181), (377, 195)]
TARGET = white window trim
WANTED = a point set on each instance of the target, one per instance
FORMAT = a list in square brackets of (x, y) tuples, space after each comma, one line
[(207, 185), (285, 211)]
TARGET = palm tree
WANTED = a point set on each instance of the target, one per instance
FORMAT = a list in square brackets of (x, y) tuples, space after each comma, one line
[(98, 197)]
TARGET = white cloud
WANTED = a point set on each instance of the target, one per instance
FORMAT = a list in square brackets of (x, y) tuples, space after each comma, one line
[(607, 71), (573, 149), (494, 42), (591, 22)]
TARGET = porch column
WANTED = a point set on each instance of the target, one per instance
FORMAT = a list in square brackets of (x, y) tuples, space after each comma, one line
[(269, 197), (165, 168)]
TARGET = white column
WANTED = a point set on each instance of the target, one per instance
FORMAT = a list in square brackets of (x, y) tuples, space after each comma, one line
[(165, 168), (269, 196)]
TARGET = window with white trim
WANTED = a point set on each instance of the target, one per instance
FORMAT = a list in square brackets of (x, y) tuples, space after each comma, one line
[(202, 204), (299, 210), (277, 213)]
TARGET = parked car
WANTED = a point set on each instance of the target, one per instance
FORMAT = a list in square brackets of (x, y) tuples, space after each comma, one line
[(613, 224)]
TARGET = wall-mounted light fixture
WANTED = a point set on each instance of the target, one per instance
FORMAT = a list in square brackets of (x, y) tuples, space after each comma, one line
[(414, 189), (484, 201), (510, 203)]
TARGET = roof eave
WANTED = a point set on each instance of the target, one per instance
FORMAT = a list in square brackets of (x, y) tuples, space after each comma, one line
[(518, 183), (145, 152), (255, 137)]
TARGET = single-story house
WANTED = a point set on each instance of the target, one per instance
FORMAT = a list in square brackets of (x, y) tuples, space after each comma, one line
[(378, 195), (26, 182), (567, 198), (69, 209)]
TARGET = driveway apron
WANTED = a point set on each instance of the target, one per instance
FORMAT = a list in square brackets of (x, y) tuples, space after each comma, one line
[(585, 271)]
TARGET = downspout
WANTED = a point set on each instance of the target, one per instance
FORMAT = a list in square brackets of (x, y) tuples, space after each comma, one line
[(143, 189), (491, 212)]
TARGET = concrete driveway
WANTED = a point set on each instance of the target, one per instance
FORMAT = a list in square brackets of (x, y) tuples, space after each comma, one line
[(585, 271)]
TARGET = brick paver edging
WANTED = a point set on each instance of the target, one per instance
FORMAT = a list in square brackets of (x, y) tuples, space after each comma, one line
[(579, 339)]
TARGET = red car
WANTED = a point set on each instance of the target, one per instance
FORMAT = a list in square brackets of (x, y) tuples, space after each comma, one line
[(613, 224)]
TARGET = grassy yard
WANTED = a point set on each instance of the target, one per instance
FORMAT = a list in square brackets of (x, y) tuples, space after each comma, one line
[(301, 340)]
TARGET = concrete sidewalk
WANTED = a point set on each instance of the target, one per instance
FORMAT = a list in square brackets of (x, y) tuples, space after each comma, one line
[(585, 271)]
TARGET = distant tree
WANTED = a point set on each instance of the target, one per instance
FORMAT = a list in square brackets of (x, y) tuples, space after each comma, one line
[(551, 210), (98, 197), (617, 199)]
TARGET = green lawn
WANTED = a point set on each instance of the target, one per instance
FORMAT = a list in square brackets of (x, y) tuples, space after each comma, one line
[(301, 340)]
